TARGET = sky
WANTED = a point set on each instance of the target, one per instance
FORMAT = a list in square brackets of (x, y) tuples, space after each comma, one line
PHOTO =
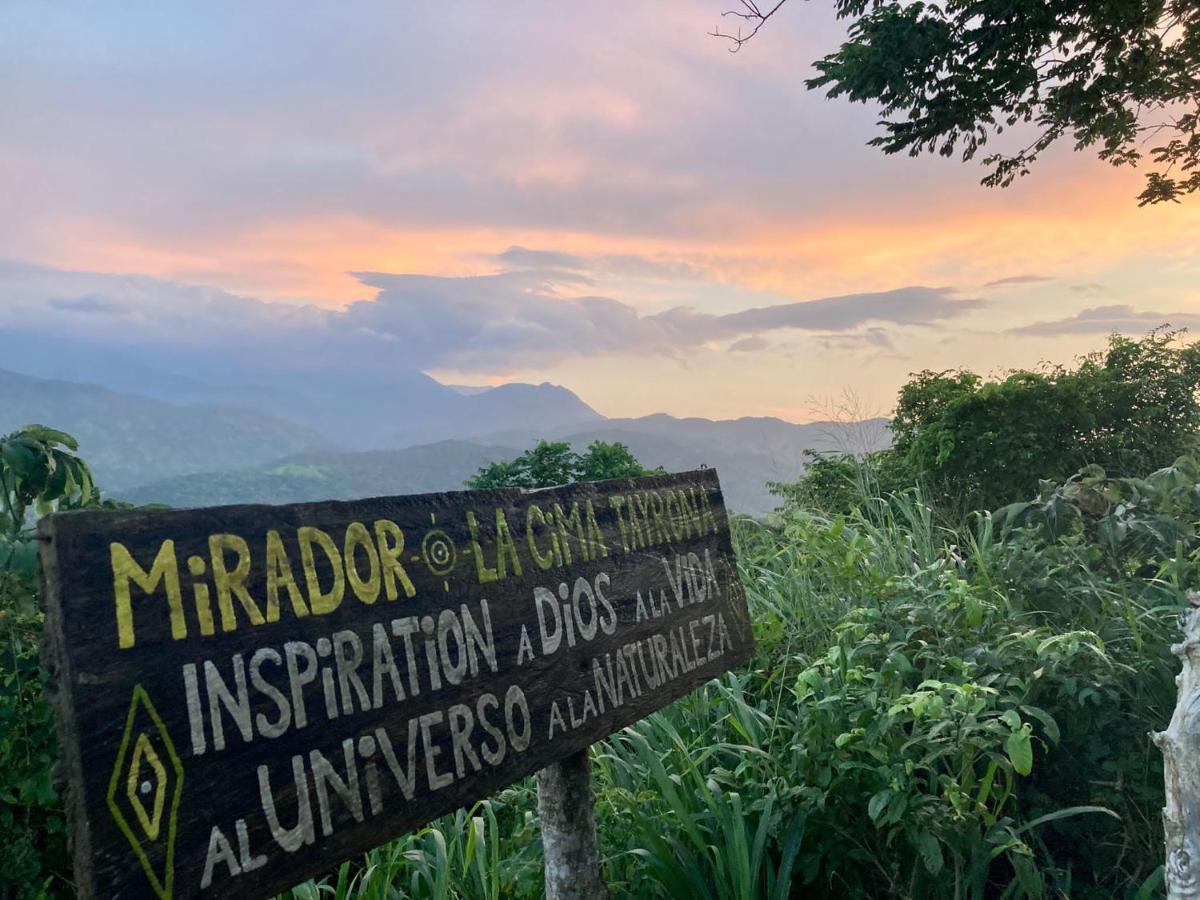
[(593, 194)]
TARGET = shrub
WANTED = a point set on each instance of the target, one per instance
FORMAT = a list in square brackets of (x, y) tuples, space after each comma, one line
[(974, 444), (937, 735), (32, 837), (837, 483), (979, 445)]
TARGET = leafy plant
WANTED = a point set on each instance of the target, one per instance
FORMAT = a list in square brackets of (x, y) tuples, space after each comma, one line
[(484, 853), (39, 472)]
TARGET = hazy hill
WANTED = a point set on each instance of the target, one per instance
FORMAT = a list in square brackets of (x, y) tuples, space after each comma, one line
[(354, 403), (128, 440), (410, 408), (329, 476), (761, 435), (549, 406), (744, 465)]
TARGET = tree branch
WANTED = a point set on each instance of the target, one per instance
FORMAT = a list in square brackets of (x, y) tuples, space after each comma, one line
[(750, 13)]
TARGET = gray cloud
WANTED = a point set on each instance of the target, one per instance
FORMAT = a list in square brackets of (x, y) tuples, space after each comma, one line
[(902, 306), (752, 344), (488, 323), (89, 303), (525, 257), (1089, 288), (1018, 279), (511, 318), (627, 265), (877, 338), (1120, 318)]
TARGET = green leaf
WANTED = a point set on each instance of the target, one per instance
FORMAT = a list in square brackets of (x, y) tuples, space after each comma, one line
[(56, 485), (49, 435), (1065, 814), (1019, 748), (878, 804), (18, 456), (1045, 718), (931, 852)]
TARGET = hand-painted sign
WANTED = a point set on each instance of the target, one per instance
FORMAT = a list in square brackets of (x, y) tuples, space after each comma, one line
[(248, 695)]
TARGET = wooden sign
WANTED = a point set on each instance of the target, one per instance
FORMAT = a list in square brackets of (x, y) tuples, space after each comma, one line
[(249, 695)]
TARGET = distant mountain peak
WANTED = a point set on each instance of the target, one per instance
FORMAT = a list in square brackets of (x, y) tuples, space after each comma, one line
[(544, 391)]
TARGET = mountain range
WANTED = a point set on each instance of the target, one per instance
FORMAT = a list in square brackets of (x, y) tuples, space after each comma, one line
[(355, 403), (188, 443)]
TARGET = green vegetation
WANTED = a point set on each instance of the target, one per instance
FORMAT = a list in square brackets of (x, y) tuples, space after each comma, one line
[(39, 471), (975, 444), (944, 703), (931, 714), (553, 463)]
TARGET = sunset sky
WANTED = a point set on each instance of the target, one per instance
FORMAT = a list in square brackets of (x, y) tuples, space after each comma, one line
[(593, 194)]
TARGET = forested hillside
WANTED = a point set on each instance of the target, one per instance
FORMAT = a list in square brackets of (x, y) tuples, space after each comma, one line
[(134, 439)]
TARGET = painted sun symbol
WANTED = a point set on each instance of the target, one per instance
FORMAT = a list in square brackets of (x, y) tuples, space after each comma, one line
[(438, 552)]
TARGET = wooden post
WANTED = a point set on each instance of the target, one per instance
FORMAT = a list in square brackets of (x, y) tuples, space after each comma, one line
[(1180, 746), (565, 807)]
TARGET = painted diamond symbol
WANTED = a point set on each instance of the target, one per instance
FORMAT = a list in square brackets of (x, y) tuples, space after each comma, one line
[(145, 789)]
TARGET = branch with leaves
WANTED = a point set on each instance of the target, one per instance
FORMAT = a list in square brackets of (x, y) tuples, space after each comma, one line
[(952, 77), (39, 472)]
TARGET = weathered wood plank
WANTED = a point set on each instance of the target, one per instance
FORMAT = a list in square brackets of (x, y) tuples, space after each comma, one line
[(248, 695)]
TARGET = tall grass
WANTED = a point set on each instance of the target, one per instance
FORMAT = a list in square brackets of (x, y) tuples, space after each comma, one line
[(933, 712)]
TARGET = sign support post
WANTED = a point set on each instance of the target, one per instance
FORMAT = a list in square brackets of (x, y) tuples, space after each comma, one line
[(567, 813)]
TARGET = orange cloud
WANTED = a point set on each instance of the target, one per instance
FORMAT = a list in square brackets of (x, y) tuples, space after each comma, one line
[(1067, 227)]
